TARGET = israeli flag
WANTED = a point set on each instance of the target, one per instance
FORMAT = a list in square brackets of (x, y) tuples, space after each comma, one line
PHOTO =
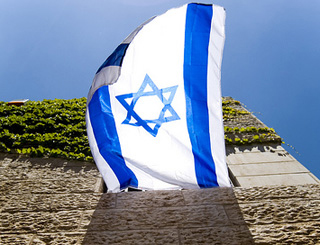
[(154, 113)]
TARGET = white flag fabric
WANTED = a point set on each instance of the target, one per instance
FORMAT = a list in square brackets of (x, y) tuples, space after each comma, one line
[(154, 111)]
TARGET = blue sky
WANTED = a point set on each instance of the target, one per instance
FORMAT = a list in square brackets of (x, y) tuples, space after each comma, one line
[(52, 49)]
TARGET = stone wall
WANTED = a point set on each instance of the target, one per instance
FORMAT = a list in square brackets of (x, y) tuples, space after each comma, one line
[(52, 201)]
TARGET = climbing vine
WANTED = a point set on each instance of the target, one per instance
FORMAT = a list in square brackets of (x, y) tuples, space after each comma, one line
[(56, 128), (234, 114), (50, 128)]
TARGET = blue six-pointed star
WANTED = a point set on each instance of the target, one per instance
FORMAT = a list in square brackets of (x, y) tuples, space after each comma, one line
[(154, 92)]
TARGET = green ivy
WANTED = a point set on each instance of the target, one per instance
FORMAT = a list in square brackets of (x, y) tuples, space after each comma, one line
[(57, 128), (248, 130), (230, 102), (50, 128)]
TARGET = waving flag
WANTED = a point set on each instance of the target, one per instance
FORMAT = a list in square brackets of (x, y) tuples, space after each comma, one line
[(154, 114)]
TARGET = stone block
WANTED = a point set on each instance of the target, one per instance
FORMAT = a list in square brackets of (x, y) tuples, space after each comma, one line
[(16, 239), (203, 216), (149, 199), (154, 218), (67, 221), (48, 186), (22, 168), (58, 238), (13, 174), (62, 173), (267, 168), (167, 236), (83, 201), (7, 187), (5, 160), (271, 193), (281, 179), (126, 219), (315, 191), (25, 173), (26, 222), (32, 222), (209, 196), (281, 212), (20, 160), (259, 157), (27, 202), (217, 235), (291, 233), (56, 202)]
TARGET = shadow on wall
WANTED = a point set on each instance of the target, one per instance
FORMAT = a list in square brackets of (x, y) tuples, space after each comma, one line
[(248, 148), (207, 216), (54, 166)]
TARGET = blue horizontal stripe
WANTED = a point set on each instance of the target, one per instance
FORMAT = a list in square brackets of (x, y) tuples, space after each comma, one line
[(115, 59), (197, 36), (105, 133)]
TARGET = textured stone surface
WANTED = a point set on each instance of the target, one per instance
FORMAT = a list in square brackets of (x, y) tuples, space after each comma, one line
[(150, 199), (169, 236), (217, 235), (259, 194), (284, 211), (44, 186), (292, 233), (25, 222), (16, 239), (277, 179), (59, 203), (20, 168), (42, 201), (209, 196), (129, 219), (267, 168), (58, 238)]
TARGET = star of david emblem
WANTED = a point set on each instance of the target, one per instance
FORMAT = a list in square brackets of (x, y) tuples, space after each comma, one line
[(167, 114)]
